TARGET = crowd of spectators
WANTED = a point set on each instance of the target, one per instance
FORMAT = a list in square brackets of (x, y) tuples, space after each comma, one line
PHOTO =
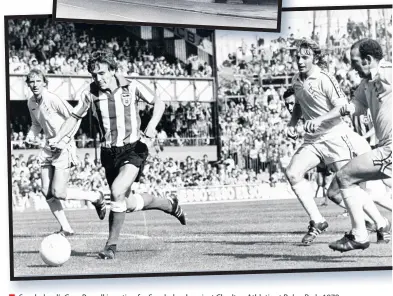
[(160, 176), (64, 48), (278, 58), (253, 112), (252, 119)]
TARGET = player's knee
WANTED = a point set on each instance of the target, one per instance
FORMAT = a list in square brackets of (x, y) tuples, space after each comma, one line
[(333, 193), (293, 176), (343, 180), (58, 194), (118, 195)]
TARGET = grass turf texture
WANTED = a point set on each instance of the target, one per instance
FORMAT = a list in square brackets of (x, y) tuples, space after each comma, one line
[(253, 235)]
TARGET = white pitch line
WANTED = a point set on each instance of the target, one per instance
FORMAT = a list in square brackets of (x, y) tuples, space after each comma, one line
[(205, 237), (78, 237)]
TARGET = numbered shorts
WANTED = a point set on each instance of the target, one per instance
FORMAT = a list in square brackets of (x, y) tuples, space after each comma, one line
[(382, 158), (339, 148), (114, 158), (64, 160)]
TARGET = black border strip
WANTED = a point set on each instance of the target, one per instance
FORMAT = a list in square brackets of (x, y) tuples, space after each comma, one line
[(172, 274), (54, 9), (99, 276), (9, 152), (91, 21)]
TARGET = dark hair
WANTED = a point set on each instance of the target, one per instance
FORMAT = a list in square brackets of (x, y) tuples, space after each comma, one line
[(319, 57), (370, 47), (103, 57), (310, 44), (36, 72), (289, 92)]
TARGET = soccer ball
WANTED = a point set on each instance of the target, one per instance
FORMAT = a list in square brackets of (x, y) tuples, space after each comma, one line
[(55, 250)]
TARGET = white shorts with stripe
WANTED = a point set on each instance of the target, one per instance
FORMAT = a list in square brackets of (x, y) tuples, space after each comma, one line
[(382, 158), (63, 160), (342, 147)]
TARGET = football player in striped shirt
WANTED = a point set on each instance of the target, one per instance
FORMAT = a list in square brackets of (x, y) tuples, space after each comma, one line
[(374, 93), (48, 112), (113, 100), (330, 142)]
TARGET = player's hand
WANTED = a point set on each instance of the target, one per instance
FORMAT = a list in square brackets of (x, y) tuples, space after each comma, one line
[(347, 109), (312, 125), (55, 146), (149, 141), (292, 133)]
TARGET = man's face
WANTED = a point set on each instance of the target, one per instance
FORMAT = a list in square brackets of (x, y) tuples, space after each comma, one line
[(290, 103), (36, 84), (362, 66), (102, 75), (305, 59)]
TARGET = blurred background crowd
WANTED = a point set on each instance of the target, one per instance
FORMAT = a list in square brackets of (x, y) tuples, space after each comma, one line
[(253, 105), (64, 48)]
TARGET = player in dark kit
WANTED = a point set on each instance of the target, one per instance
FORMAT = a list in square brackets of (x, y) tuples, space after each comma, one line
[(113, 100)]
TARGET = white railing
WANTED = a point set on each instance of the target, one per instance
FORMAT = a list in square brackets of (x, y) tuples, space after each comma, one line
[(168, 89)]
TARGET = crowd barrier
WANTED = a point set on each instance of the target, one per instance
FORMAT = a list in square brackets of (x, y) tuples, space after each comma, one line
[(186, 195), (170, 89)]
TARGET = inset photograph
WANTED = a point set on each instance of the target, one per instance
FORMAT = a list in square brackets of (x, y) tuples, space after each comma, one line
[(134, 151), (259, 15)]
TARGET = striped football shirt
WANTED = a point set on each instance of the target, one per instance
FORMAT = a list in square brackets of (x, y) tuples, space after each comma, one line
[(116, 112), (317, 95)]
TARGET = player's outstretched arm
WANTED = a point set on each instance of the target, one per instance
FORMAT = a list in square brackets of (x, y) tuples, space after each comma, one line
[(66, 132), (312, 125), (71, 125), (158, 111)]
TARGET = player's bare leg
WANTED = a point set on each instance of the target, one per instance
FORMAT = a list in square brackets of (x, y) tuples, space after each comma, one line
[(359, 169), (145, 201), (60, 191), (302, 161), (47, 175), (120, 187)]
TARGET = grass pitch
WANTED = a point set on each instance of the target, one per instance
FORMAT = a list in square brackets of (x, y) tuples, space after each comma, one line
[(218, 237)]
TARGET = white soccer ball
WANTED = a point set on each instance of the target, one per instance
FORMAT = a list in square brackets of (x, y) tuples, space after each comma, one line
[(55, 250)]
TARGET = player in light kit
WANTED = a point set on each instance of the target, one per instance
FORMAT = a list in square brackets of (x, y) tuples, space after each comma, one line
[(330, 142), (114, 100), (48, 112), (375, 93)]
